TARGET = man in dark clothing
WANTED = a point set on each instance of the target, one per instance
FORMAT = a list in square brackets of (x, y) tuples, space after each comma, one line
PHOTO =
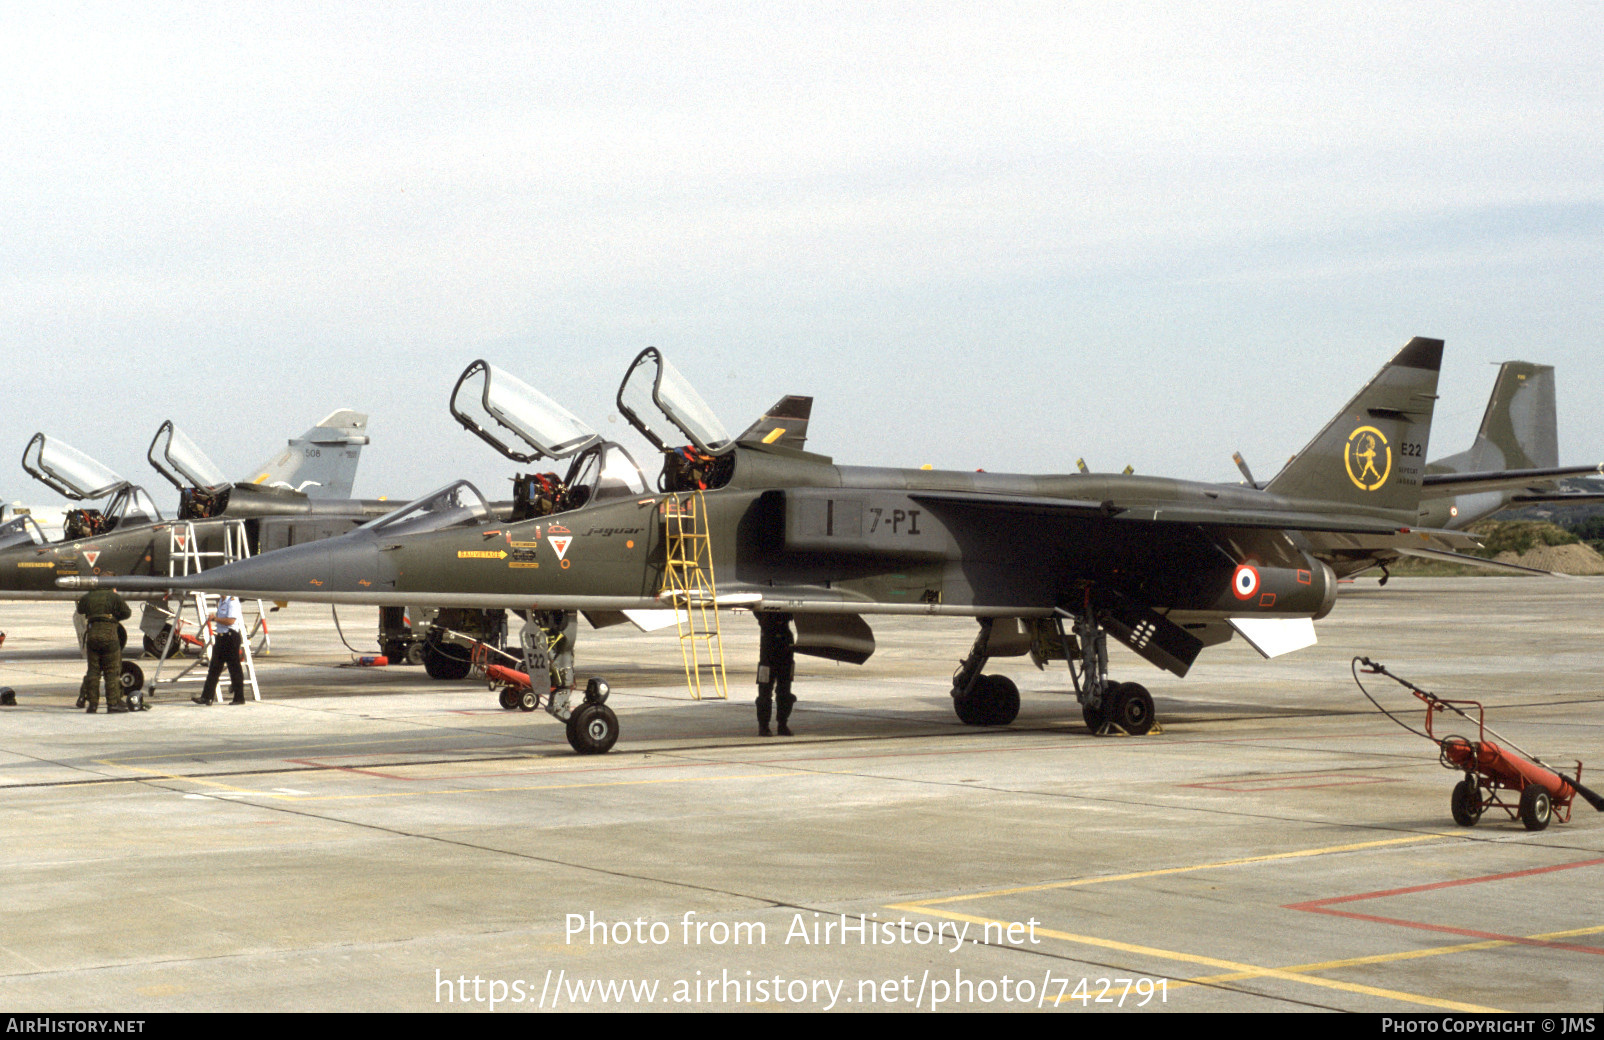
[(776, 663), (103, 609)]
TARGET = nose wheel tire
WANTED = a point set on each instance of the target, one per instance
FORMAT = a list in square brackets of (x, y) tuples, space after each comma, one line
[(593, 729)]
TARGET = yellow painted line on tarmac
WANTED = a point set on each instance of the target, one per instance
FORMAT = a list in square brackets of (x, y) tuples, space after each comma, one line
[(156, 774), (1160, 872), (281, 750), (414, 793), (1402, 955), (1245, 970), (1235, 971)]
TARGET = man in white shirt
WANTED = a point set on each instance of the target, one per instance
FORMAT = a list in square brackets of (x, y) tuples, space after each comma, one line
[(226, 640)]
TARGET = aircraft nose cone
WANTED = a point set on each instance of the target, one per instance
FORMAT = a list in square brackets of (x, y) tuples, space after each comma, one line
[(329, 566)]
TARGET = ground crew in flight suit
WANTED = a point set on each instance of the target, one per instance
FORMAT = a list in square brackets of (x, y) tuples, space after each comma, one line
[(104, 609), (776, 664)]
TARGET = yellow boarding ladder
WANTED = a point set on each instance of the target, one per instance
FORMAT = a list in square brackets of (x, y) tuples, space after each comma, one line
[(688, 586)]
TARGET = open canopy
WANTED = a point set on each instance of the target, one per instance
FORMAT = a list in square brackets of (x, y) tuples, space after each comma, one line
[(68, 471), (654, 391), (181, 462), (545, 426)]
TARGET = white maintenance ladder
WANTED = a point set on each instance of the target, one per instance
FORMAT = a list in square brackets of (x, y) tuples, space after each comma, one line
[(185, 557)]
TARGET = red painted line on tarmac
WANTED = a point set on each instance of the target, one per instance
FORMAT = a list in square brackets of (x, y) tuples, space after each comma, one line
[(1323, 906), (314, 764)]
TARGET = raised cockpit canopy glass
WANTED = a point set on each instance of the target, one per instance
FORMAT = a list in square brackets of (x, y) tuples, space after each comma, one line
[(132, 504), (21, 530), (181, 462), (653, 388), (453, 505), (68, 471), (609, 473), (545, 426)]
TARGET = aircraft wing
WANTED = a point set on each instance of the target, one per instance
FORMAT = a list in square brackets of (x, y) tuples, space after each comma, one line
[(1177, 513), (1443, 484)]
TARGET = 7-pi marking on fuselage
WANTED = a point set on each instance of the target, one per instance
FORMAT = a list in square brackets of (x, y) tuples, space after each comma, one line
[(898, 517)]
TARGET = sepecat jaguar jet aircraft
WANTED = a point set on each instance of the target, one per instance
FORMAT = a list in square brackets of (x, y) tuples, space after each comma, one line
[(217, 520), (1049, 565)]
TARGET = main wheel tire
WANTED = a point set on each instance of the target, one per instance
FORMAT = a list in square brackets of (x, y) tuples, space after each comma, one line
[(1096, 718), (133, 676), (1466, 803), (593, 729), (445, 661), (1536, 808), (153, 647), (968, 707), (1133, 709), (1000, 704)]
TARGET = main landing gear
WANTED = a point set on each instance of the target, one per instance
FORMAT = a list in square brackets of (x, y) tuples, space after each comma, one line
[(983, 700), (1106, 707)]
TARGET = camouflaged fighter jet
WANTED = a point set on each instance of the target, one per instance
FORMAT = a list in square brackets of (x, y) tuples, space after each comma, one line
[(1514, 459), (129, 536), (1050, 565)]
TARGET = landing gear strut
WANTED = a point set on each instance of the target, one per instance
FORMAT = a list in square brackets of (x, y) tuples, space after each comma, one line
[(1104, 705), (983, 700), (548, 682)]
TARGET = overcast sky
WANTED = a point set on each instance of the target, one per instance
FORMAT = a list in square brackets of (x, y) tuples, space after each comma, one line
[(989, 235)]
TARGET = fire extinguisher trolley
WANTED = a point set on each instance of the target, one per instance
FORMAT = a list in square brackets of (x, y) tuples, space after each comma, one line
[(1491, 770)]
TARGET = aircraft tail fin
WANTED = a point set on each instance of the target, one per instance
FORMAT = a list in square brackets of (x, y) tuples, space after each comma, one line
[(785, 424), (1519, 429), (1372, 454), (320, 462)]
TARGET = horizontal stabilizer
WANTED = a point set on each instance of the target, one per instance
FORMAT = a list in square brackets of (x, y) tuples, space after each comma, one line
[(1479, 561), (1560, 496), (1272, 637)]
